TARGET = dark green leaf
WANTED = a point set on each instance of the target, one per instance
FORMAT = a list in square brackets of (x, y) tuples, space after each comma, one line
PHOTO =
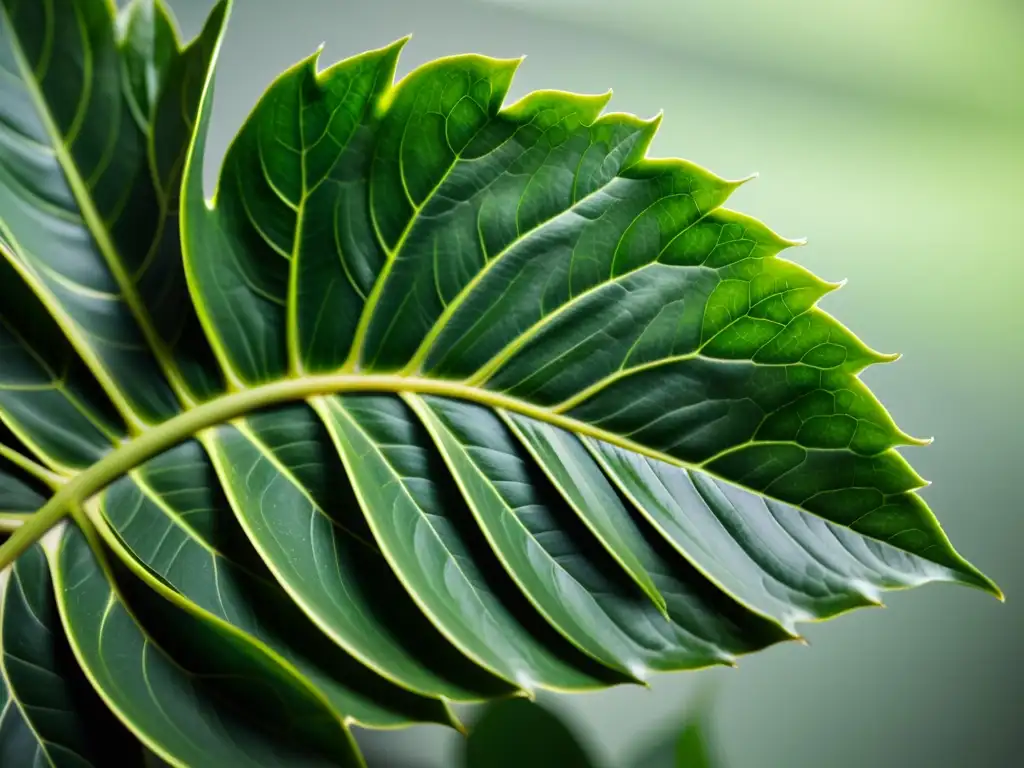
[(47, 397), (149, 48), (516, 733), (180, 713), (277, 471), (427, 535), (49, 714), (173, 517), (436, 400), (779, 560), (566, 571), (87, 213)]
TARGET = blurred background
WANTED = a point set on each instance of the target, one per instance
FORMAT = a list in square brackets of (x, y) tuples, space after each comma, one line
[(890, 133)]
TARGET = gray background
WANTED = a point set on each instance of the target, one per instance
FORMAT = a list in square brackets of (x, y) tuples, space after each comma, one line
[(889, 133)]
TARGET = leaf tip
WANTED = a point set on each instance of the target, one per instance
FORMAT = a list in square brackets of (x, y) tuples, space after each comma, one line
[(972, 577), (456, 723), (869, 593), (526, 687), (734, 184), (904, 438), (603, 99), (510, 68), (781, 243), (638, 673), (600, 101), (658, 599)]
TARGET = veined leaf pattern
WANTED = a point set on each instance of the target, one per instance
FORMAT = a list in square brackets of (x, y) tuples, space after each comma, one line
[(49, 715), (436, 400), (173, 517), (168, 704), (89, 198)]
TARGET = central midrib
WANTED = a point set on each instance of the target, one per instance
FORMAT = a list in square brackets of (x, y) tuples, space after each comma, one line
[(223, 409)]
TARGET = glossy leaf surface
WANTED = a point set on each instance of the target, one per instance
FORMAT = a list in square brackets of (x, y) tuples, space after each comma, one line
[(436, 399)]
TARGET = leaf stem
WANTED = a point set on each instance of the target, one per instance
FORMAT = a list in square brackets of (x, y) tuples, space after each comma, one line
[(12, 521), (236, 404), (225, 408), (40, 473)]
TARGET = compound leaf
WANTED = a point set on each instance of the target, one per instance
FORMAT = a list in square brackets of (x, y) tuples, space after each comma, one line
[(436, 399)]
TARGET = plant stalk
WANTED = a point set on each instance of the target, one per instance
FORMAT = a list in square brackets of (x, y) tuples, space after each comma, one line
[(156, 440)]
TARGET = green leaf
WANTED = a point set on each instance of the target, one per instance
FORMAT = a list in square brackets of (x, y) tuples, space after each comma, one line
[(514, 733), (775, 558), (173, 518), (88, 209), (517, 732), (49, 401), (572, 580), (437, 399), (427, 536), (692, 750), (24, 484), (588, 492), (310, 533), (185, 715), (149, 48), (49, 715)]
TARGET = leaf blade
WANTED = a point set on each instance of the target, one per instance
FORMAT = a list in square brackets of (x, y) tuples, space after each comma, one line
[(760, 550), (85, 214), (48, 714), (589, 598), (557, 454), (338, 576), (154, 696), (386, 455), (172, 518)]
